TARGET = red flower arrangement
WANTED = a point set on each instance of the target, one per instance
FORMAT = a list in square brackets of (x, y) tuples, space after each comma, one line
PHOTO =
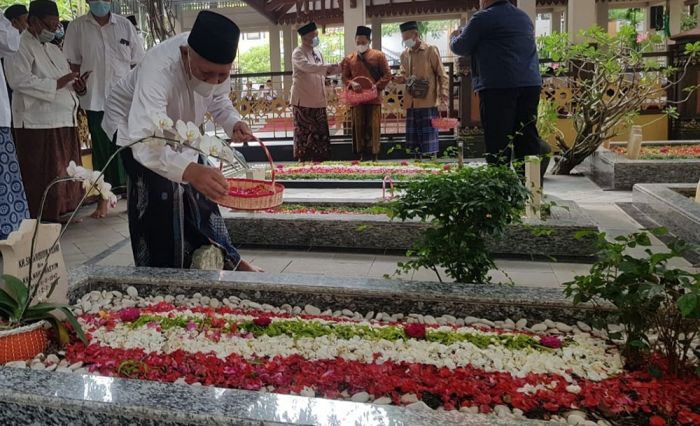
[(550, 342), (415, 330), (262, 321), (129, 314)]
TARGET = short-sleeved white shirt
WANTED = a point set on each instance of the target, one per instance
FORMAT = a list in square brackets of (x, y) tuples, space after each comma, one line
[(108, 51)]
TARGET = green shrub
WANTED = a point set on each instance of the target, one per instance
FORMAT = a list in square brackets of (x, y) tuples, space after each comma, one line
[(464, 206), (651, 298)]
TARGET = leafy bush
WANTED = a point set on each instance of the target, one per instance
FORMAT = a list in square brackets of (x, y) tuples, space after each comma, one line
[(651, 298), (464, 206)]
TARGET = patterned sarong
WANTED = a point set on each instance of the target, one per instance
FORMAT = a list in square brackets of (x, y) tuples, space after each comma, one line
[(312, 140), (169, 221), (421, 136), (13, 202), (366, 128)]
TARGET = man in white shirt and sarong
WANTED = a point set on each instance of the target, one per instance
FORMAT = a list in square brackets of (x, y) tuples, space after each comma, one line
[(171, 214)]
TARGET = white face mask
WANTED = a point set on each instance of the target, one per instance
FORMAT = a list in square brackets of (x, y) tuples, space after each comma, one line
[(46, 36), (410, 43), (202, 88), (316, 41), (362, 48)]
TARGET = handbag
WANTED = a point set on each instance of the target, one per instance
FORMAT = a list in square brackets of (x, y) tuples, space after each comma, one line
[(416, 87)]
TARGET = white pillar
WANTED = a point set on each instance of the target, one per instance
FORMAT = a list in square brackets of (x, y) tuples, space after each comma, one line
[(529, 7), (352, 18), (602, 15), (676, 8), (289, 36), (376, 34), (534, 185), (557, 17), (580, 15), (275, 53), (697, 193)]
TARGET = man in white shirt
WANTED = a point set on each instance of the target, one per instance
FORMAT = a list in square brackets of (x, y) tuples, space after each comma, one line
[(107, 46), (169, 191), (13, 202)]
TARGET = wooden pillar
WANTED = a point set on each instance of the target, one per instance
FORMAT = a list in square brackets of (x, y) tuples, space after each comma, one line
[(376, 34), (530, 7), (676, 9), (289, 36)]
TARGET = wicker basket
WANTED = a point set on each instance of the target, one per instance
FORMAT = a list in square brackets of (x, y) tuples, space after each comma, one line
[(443, 123), (253, 194), (368, 94), (23, 343)]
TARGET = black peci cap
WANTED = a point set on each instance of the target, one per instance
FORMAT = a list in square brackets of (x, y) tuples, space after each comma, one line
[(310, 27), (214, 37)]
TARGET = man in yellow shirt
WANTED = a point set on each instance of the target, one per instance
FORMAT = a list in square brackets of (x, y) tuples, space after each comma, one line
[(427, 88)]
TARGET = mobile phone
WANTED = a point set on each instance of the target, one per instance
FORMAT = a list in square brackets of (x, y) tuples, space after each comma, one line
[(85, 75)]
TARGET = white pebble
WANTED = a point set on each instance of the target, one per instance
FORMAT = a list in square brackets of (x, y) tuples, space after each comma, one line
[(197, 296), (486, 322), (87, 306), (360, 397), (564, 328), (385, 400), (419, 406), (312, 310), (214, 303), (95, 296), (158, 299), (429, 319), (308, 392), (575, 419), (549, 323), (117, 294), (63, 370), (508, 326), (538, 328), (132, 292), (296, 310), (517, 412), (180, 381), (76, 366), (502, 411), (327, 312), (81, 371), (38, 366), (469, 410), (51, 367), (521, 324), (583, 326), (409, 398), (196, 384), (369, 315), (169, 298), (16, 364), (204, 300), (347, 313), (52, 359), (573, 389)]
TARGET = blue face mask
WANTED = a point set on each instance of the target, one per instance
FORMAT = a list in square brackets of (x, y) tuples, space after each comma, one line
[(60, 32), (100, 8), (316, 42)]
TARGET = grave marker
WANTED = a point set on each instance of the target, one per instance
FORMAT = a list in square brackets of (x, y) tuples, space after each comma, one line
[(16, 258)]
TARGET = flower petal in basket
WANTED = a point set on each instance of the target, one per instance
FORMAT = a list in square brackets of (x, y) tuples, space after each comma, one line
[(443, 123)]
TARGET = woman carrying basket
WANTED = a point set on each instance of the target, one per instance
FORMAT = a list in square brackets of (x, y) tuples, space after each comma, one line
[(367, 69)]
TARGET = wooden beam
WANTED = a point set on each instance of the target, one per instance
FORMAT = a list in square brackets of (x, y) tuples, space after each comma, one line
[(259, 6)]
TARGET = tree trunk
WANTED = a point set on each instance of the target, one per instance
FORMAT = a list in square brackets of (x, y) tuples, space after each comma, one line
[(582, 148), (564, 166)]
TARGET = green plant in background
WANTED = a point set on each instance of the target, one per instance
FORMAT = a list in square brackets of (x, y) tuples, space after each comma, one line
[(689, 20), (464, 207), (605, 94), (67, 9), (15, 309), (658, 306)]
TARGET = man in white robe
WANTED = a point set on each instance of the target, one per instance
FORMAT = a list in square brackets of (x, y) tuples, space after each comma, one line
[(169, 191)]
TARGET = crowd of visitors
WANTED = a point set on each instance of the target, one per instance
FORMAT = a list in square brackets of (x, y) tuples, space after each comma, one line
[(97, 64)]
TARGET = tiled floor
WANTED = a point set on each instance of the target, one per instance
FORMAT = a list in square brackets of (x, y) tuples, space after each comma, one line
[(106, 242)]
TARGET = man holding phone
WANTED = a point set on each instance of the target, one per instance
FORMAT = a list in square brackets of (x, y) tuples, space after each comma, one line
[(105, 47)]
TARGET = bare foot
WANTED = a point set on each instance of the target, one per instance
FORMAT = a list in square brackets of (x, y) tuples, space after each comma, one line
[(248, 267), (102, 209)]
